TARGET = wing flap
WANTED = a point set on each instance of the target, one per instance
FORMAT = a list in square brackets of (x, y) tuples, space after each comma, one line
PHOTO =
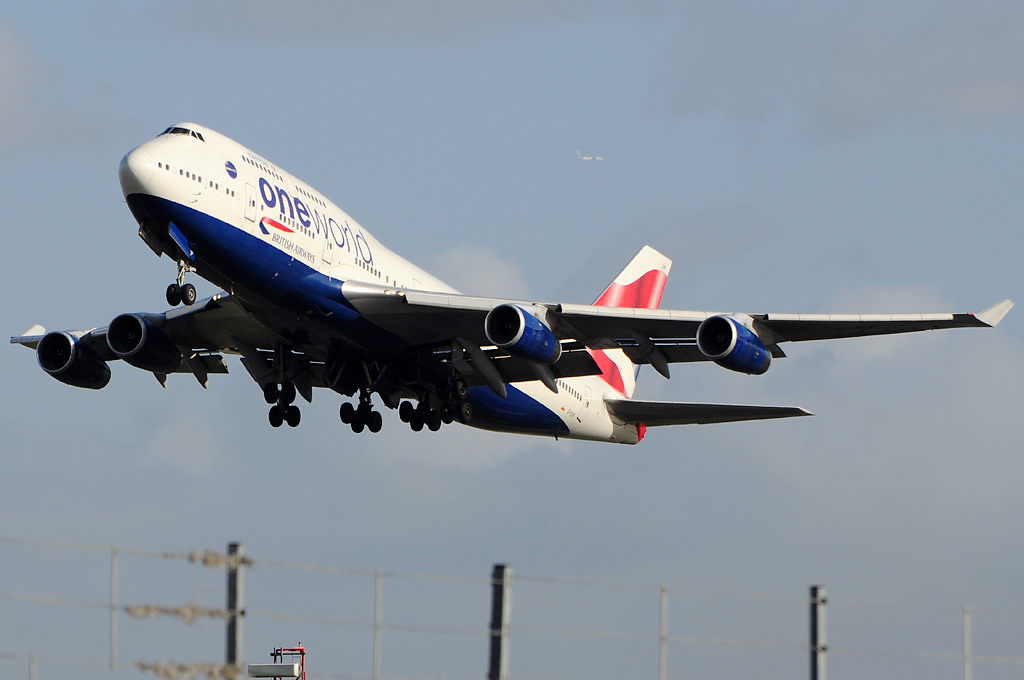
[(655, 413)]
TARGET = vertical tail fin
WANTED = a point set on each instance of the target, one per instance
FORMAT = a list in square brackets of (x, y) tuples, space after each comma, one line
[(639, 284)]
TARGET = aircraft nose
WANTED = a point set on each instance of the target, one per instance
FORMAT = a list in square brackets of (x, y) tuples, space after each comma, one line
[(136, 170)]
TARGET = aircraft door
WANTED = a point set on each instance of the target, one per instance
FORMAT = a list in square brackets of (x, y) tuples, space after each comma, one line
[(588, 394), (250, 204), (328, 252)]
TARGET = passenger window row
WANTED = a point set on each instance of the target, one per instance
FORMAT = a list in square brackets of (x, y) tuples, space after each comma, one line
[(192, 175), (310, 196), (262, 167)]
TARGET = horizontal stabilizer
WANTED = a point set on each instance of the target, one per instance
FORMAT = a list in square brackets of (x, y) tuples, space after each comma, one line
[(655, 413), (31, 337)]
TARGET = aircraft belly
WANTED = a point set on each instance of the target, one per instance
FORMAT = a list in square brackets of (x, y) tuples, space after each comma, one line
[(518, 413)]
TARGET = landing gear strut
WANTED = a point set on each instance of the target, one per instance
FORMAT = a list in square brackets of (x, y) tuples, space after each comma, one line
[(283, 410), (363, 417), (180, 291)]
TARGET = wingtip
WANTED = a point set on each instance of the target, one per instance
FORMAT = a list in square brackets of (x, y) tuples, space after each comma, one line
[(994, 314)]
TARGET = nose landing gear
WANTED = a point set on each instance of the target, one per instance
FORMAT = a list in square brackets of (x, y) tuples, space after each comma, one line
[(180, 291)]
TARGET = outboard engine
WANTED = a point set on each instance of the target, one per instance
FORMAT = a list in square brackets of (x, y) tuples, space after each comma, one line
[(137, 341), (518, 332), (732, 345), (65, 358)]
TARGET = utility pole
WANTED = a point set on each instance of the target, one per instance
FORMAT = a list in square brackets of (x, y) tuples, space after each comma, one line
[(663, 637), (236, 602), (113, 609), (819, 639), (378, 593), (968, 654), (501, 615)]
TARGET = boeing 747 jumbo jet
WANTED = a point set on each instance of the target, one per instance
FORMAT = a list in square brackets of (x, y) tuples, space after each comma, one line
[(312, 299)]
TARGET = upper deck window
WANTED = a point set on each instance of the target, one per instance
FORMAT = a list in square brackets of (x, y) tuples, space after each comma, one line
[(182, 131)]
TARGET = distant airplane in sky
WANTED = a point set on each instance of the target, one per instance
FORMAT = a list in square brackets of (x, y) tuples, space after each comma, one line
[(314, 300), (588, 158)]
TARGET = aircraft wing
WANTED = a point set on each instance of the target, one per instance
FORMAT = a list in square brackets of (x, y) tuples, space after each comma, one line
[(217, 324), (424, 318), (655, 413)]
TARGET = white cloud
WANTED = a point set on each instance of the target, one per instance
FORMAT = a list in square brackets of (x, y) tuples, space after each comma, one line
[(849, 67), (481, 270), (30, 115)]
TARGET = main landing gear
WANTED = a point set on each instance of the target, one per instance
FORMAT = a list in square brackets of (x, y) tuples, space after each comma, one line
[(283, 410), (362, 417), (453, 406), (180, 291)]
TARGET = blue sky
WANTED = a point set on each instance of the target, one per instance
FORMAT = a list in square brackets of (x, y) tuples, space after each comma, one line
[(788, 157)]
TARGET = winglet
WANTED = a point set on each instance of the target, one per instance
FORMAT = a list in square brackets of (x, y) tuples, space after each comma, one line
[(994, 314)]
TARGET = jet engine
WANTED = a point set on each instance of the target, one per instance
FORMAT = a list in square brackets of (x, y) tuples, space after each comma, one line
[(732, 345), (518, 332), (137, 341), (64, 357)]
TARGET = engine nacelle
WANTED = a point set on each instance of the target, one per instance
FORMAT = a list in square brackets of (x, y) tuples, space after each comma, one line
[(520, 333), (732, 345), (137, 341), (66, 359)]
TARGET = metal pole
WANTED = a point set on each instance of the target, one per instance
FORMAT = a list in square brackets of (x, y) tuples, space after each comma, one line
[(236, 603), (31, 666), (113, 609), (819, 639), (663, 637), (501, 615), (378, 593), (968, 670)]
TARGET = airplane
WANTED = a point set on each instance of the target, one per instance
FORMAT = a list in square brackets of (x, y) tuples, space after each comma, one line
[(311, 300), (588, 158)]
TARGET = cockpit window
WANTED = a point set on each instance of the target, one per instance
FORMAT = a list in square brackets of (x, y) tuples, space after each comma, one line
[(182, 131)]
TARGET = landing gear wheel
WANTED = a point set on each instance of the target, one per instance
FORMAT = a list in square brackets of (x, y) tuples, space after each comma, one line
[(188, 294), (447, 413), (276, 416), (347, 413), (434, 421), (416, 424), (174, 295), (270, 393), (459, 388), (357, 426), (287, 393), (293, 416), (406, 411), (465, 412), (375, 422)]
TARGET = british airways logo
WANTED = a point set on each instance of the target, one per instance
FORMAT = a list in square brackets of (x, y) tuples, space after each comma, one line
[(342, 235), (266, 221), (230, 168)]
